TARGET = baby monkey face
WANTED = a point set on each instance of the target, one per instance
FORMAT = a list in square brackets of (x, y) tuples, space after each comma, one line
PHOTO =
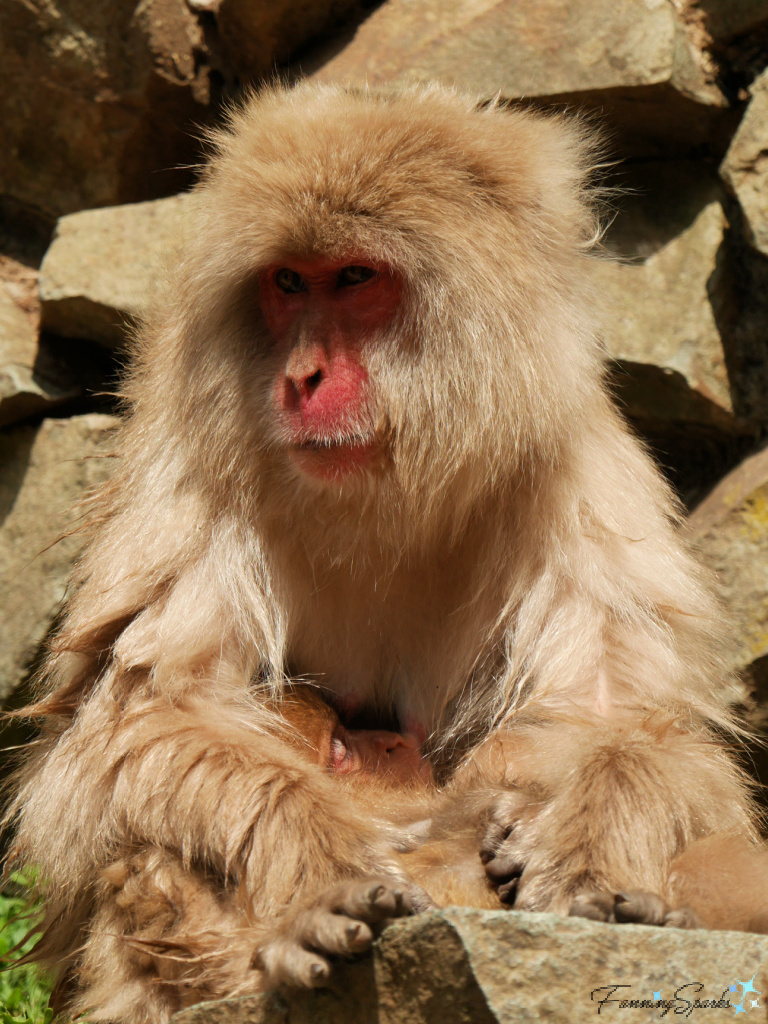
[(376, 752)]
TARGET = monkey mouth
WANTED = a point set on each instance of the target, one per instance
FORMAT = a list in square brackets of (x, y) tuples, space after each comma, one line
[(333, 459)]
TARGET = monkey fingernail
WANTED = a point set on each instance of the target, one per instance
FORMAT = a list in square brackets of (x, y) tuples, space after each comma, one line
[(319, 972)]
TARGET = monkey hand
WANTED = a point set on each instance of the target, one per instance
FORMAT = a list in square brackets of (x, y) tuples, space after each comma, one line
[(343, 922), (633, 907), (534, 857), (531, 875)]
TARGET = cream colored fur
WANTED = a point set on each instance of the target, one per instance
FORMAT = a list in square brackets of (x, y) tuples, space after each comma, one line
[(519, 546)]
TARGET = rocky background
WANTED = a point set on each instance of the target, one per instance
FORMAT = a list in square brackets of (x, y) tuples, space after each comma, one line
[(103, 104)]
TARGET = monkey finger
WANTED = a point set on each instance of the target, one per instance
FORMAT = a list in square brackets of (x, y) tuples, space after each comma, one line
[(507, 892), (288, 963), (504, 866), (495, 836)]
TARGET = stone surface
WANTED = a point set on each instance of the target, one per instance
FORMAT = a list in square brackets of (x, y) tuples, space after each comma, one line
[(45, 470), (663, 326), (727, 18), (32, 379), (258, 36), (103, 266), (98, 100), (745, 167), (730, 531), (633, 61), (460, 966)]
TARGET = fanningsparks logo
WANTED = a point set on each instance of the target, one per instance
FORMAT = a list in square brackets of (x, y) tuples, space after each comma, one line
[(683, 1001)]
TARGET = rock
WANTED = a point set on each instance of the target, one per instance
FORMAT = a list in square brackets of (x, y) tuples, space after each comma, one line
[(745, 167), (102, 267), (730, 531), (45, 470), (257, 37), (459, 966), (99, 100), (633, 62), (32, 379), (663, 327), (727, 18)]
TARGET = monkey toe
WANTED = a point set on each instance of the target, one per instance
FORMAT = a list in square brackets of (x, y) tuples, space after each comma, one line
[(683, 917)]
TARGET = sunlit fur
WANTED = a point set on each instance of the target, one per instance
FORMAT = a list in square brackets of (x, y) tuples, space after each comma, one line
[(516, 544)]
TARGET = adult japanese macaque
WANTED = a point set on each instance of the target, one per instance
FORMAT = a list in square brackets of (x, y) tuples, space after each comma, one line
[(370, 445)]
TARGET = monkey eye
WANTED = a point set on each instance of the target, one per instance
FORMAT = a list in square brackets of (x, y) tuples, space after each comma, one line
[(289, 281), (339, 751), (350, 276)]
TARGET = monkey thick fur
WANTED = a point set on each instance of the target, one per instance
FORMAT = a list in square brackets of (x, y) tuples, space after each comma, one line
[(369, 444)]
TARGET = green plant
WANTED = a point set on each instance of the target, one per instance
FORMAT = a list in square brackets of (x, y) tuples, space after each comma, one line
[(25, 989)]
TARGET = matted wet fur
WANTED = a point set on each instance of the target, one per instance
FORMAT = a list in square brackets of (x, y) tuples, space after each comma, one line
[(508, 566)]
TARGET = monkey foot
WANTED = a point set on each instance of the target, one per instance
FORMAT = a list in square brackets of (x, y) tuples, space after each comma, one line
[(344, 922), (633, 907)]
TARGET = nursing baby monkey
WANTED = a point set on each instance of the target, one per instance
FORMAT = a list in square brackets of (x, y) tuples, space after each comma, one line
[(370, 446)]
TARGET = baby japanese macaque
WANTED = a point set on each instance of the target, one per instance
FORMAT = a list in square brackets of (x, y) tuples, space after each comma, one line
[(437, 834), (390, 756), (446, 836)]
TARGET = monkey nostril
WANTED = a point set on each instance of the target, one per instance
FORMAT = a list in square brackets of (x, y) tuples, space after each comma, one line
[(313, 382), (301, 387)]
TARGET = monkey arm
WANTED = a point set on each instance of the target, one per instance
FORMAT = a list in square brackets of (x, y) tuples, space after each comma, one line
[(196, 778)]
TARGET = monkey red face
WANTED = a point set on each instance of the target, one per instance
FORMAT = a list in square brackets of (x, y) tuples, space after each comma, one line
[(320, 312)]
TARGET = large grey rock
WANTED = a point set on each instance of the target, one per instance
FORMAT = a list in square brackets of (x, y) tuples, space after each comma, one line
[(662, 326), (99, 100), (103, 266), (745, 167), (43, 472), (633, 61), (460, 966)]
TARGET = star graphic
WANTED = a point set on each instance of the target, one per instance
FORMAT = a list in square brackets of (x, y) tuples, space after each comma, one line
[(747, 986), (739, 1008), (657, 996), (755, 1003), (731, 988)]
